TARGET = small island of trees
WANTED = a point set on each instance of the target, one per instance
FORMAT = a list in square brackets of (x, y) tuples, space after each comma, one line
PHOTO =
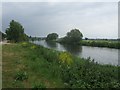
[(72, 37), (52, 37)]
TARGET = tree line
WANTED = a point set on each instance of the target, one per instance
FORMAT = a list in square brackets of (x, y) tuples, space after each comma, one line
[(15, 33)]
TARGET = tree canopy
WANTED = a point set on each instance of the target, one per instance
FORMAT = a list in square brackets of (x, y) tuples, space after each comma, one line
[(52, 37), (73, 37), (15, 32)]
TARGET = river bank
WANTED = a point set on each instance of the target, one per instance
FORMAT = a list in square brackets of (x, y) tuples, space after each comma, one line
[(102, 55), (27, 65), (101, 43)]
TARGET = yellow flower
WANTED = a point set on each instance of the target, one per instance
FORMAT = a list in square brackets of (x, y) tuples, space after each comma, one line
[(65, 57), (24, 44), (33, 47)]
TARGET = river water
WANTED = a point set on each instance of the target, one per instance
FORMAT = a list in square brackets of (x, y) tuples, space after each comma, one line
[(99, 54)]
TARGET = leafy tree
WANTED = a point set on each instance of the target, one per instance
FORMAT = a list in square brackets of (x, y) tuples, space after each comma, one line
[(2, 36), (52, 37), (15, 32), (73, 37)]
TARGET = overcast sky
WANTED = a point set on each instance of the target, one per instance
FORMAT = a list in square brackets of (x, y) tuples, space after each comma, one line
[(94, 20)]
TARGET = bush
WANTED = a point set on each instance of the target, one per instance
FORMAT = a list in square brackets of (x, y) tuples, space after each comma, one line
[(33, 47), (21, 75), (66, 57), (24, 44)]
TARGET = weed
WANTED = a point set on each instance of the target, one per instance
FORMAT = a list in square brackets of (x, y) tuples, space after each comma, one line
[(21, 75), (38, 86), (18, 84)]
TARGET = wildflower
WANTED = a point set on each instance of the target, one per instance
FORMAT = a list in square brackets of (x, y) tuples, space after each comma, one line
[(24, 44), (65, 57), (33, 47)]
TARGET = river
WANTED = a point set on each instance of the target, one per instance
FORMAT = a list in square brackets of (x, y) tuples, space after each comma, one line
[(99, 54)]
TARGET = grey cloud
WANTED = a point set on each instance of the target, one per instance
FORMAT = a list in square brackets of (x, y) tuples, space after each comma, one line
[(93, 19)]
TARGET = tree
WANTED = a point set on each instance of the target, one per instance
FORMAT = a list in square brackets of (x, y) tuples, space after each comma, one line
[(52, 37), (86, 38), (73, 37), (15, 32), (2, 36)]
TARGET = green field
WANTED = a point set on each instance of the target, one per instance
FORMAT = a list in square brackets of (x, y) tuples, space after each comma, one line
[(27, 65), (101, 43)]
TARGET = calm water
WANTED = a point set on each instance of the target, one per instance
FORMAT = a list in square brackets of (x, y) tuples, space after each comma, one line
[(101, 55)]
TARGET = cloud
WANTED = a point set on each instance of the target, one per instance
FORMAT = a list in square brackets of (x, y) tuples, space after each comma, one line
[(94, 19), (60, 0), (0, 16)]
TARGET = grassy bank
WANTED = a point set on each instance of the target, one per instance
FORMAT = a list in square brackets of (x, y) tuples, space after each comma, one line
[(102, 43), (30, 66)]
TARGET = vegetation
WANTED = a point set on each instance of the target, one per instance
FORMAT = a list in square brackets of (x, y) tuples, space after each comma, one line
[(2, 36), (26, 65), (72, 37), (15, 32), (102, 43), (52, 37)]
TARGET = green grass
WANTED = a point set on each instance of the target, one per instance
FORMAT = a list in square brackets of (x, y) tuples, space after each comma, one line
[(17, 58), (27, 65), (102, 43)]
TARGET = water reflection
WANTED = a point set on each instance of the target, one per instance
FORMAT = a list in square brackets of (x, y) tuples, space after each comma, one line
[(51, 44), (73, 49)]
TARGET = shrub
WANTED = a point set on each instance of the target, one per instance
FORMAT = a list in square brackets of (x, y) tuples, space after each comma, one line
[(65, 57), (24, 44), (21, 75), (33, 47)]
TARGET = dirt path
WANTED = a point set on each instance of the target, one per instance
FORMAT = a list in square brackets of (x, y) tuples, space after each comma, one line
[(4, 42)]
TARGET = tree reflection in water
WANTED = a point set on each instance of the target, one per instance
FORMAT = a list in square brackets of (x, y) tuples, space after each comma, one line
[(73, 49), (51, 44)]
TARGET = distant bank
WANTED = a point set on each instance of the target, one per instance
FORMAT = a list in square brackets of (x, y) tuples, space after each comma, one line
[(112, 43)]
